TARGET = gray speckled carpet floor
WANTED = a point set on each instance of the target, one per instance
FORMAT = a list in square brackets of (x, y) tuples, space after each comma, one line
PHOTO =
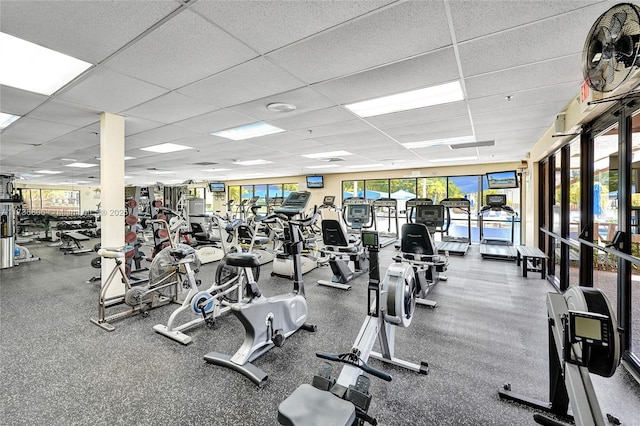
[(57, 368)]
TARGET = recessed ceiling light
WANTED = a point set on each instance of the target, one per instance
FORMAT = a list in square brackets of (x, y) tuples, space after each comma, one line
[(429, 96), (166, 148), (442, 160), (365, 166), (323, 166), (436, 142), (214, 170), (248, 131), (253, 162), (81, 165), (83, 181), (27, 66), (6, 119), (29, 175), (125, 158), (48, 172), (163, 172), (68, 159), (327, 154), (281, 107)]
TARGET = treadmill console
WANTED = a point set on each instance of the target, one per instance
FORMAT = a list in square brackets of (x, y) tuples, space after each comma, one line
[(358, 214), (496, 200), (431, 216), (458, 203), (294, 204), (419, 202), (385, 202)]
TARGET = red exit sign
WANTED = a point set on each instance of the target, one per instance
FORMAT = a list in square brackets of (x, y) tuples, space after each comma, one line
[(585, 91)]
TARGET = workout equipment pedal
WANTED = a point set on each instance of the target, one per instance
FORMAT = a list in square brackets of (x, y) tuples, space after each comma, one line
[(323, 379), (359, 394)]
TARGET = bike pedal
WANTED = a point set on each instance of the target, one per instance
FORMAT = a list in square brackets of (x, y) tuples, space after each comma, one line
[(323, 379), (359, 394)]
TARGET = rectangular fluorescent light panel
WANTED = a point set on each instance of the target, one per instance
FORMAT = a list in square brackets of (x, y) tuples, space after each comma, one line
[(328, 154), (248, 131), (214, 170), (429, 96), (162, 172), (6, 119), (253, 162), (166, 148), (442, 160), (48, 172), (27, 66), (81, 165), (324, 166), (438, 142)]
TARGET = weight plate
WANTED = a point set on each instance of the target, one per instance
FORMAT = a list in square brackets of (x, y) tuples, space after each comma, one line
[(96, 262), (131, 220), (130, 237), (132, 203)]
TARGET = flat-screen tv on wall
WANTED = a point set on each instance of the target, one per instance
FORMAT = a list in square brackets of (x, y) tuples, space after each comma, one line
[(502, 180), (216, 186), (315, 182)]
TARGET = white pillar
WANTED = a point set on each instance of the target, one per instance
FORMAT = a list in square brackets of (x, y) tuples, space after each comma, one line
[(112, 207)]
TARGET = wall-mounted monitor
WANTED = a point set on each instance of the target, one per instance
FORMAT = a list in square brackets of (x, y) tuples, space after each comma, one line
[(216, 186), (502, 180), (315, 182)]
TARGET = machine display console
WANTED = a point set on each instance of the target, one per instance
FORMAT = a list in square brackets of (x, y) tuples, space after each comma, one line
[(430, 215), (456, 202), (496, 200), (294, 204), (419, 202), (370, 239), (329, 200), (589, 327), (385, 202)]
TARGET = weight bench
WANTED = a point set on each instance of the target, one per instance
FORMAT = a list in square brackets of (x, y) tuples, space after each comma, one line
[(533, 260), (71, 243)]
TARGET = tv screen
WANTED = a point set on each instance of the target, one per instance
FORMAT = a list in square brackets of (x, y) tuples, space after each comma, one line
[(502, 180), (315, 182), (216, 186)]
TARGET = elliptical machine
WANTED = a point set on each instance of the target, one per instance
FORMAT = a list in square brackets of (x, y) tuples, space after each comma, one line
[(267, 321), (345, 400)]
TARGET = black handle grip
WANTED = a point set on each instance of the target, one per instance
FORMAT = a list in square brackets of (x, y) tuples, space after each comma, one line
[(363, 366), (328, 356), (375, 372)]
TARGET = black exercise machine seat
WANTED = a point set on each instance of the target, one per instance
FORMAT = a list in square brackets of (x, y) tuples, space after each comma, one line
[(335, 237), (245, 235), (242, 260), (202, 236), (416, 243), (309, 406)]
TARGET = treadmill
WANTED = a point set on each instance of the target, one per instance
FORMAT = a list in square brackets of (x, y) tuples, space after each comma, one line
[(356, 212), (451, 244), (412, 207), (493, 247), (386, 237)]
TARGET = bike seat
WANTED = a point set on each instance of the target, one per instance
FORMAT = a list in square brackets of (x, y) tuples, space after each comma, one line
[(309, 406), (110, 254), (242, 260)]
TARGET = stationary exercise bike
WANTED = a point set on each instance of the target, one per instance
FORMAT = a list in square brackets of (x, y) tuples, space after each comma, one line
[(583, 339), (267, 321), (345, 400)]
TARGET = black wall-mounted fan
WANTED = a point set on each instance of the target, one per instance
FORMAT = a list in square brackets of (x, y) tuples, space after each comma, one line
[(611, 50)]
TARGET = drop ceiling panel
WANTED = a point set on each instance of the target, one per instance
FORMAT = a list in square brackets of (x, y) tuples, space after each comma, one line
[(8, 150), (305, 99), (170, 108), (164, 134), (552, 38), (268, 25), (421, 115), (342, 128), (88, 30), (185, 49), (18, 102), (423, 129), (109, 91), (67, 113), (243, 83), (314, 118), (525, 98), (213, 121), (549, 73), (519, 116), (373, 40), (81, 138), (431, 135), (134, 125), (37, 130), (501, 15), (415, 73)]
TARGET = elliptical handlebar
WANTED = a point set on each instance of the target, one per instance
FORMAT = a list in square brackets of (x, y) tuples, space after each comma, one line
[(352, 359)]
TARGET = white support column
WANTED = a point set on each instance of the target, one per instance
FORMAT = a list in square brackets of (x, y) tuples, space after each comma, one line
[(112, 192)]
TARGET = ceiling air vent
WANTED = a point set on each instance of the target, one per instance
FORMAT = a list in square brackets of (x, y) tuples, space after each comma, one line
[(204, 163), (333, 159), (472, 144)]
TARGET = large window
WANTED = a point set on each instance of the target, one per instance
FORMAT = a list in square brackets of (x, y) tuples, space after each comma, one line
[(262, 191), (433, 188), (52, 201), (352, 188)]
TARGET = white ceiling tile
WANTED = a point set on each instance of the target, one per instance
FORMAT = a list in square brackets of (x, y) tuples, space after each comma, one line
[(170, 108), (548, 39), (544, 95), (422, 129), (415, 73), (213, 121), (341, 128), (18, 102), (268, 25), (395, 33), (420, 115), (67, 113), (185, 49), (81, 138), (133, 125), (111, 92), (248, 81), (305, 100), (87, 30), (549, 73), (37, 130), (416, 135), (496, 16), (313, 119), (164, 134)]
